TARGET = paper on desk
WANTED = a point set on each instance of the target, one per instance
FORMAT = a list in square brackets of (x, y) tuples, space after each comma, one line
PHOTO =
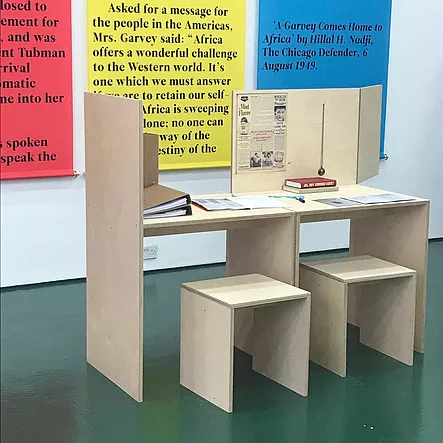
[(258, 202), (217, 204), (236, 203), (337, 202), (382, 198)]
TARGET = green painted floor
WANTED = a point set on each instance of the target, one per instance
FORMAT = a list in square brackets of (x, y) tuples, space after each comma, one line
[(49, 394)]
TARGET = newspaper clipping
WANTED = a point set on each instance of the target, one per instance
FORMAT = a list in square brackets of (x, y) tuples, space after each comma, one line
[(261, 132)]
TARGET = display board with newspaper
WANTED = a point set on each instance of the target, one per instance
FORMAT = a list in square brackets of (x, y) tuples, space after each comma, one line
[(261, 132)]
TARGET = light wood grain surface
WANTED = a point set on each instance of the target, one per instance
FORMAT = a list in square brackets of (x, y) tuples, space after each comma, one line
[(207, 348), (401, 237), (358, 269), (246, 290), (329, 300), (369, 132), (114, 260), (311, 211), (281, 343), (207, 221), (387, 317)]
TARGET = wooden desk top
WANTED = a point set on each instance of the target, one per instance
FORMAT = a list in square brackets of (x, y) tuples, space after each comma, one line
[(316, 211), (204, 221)]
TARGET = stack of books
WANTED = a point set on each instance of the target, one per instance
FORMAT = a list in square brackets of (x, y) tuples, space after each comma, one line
[(306, 185)]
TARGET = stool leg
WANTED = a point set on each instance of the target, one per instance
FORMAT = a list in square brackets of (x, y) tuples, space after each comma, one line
[(328, 320), (281, 343), (354, 295), (207, 349), (387, 319)]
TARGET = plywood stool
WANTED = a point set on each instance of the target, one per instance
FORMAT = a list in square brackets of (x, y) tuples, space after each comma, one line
[(386, 308), (280, 332)]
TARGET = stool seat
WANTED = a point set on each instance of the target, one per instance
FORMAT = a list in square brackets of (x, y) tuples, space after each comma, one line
[(279, 334), (246, 290), (358, 269)]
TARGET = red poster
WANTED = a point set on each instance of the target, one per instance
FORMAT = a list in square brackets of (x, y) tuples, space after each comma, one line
[(36, 127)]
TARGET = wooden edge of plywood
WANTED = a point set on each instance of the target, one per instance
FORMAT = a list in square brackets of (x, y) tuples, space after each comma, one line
[(150, 159), (369, 133), (114, 231)]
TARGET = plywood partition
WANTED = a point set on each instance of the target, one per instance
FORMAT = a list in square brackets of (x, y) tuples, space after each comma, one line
[(150, 160), (369, 133), (346, 120), (114, 180)]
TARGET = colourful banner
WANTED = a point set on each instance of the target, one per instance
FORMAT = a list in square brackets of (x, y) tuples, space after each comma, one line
[(183, 61), (36, 128), (307, 44)]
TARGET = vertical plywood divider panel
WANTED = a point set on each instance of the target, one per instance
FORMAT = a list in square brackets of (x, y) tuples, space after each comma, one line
[(349, 150), (150, 160), (114, 180), (368, 159)]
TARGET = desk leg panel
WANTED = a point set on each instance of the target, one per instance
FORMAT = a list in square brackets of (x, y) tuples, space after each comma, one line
[(271, 251), (401, 237)]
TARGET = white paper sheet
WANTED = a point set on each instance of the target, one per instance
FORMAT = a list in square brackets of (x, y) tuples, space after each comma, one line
[(259, 202), (381, 198)]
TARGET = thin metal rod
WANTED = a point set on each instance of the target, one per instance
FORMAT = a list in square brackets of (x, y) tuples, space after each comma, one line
[(322, 136)]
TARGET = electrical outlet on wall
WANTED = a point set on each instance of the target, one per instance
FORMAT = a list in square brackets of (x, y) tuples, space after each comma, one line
[(150, 252)]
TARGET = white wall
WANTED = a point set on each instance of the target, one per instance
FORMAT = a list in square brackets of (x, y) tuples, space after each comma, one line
[(43, 221)]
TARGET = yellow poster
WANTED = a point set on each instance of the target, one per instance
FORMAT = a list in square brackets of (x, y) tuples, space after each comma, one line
[(183, 59)]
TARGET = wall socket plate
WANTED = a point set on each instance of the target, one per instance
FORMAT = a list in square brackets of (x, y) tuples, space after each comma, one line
[(150, 252)]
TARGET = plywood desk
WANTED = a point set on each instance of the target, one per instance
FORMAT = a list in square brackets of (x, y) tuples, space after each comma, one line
[(267, 241), (258, 241)]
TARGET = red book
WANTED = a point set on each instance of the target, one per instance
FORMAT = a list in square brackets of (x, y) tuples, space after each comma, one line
[(310, 182)]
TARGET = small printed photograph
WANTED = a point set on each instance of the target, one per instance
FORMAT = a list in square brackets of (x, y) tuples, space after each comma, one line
[(279, 159), (244, 126), (280, 99), (256, 160), (280, 113), (268, 159)]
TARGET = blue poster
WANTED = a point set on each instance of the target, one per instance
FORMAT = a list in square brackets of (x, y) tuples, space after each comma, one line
[(304, 44)]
